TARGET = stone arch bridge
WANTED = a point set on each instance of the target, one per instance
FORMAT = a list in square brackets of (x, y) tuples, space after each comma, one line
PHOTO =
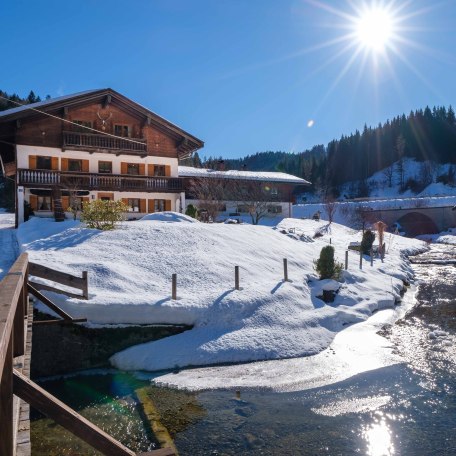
[(415, 220)]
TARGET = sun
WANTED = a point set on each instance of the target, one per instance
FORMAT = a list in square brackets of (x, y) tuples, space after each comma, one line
[(374, 29)]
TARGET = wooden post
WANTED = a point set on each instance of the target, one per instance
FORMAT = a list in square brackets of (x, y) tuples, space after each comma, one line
[(346, 259), (360, 258), (18, 327), (6, 404), (85, 289), (372, 256), (174, 287), (330, 241), (285, 270), (236, 277)]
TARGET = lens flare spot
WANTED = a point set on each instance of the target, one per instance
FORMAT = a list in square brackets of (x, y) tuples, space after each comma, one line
[(310, 123)]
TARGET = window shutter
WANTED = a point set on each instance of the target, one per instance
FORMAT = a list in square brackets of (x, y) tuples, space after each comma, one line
[(55, 163), (64, 164), (32, 161), (65, 202), (125, 201), (33, 200), (123, 168), (150, 171), (167, 205), (85, 199), (85, 166), (151, 205), (142, 169), (142, 205), (167, 170)]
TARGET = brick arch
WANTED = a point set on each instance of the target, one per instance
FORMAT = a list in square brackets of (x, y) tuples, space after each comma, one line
[(415, 223)]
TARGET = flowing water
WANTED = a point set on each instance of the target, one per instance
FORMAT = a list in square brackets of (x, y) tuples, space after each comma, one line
[(404, 409)]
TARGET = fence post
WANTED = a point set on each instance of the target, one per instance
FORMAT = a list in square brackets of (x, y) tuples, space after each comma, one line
[(330, 241), (346, 259), (236, 277), (372, 256), (174, 287), (285, 270), (85, 290), (360, 258)]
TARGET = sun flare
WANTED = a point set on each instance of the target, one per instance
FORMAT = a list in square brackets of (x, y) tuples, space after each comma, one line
[(374, 29)]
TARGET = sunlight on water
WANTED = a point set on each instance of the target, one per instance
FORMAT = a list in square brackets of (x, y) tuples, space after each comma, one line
[(378, 437)]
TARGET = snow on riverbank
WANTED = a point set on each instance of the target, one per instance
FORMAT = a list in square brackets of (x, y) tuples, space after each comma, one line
[(130, 282)]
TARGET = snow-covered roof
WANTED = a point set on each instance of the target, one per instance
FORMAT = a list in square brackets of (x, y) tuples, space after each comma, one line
[(41, 104), (188, 171)]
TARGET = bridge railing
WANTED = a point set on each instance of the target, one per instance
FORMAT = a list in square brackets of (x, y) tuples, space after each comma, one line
[(13, 313)]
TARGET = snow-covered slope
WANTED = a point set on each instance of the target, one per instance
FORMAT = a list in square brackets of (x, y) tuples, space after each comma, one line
[(130, 282)]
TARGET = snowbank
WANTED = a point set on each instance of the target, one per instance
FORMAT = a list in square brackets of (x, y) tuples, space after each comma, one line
[(169, 217), (130, 282)]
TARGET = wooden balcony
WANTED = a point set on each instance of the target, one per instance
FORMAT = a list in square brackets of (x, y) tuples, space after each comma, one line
[(94, 142), (98, 181)]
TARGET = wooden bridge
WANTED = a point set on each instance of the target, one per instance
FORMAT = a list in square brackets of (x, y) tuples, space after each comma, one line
[(17, 391)]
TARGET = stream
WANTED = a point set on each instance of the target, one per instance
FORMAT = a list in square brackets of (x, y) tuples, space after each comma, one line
[(407, 408)]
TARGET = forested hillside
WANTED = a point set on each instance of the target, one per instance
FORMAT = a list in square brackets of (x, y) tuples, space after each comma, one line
[(428, 134)]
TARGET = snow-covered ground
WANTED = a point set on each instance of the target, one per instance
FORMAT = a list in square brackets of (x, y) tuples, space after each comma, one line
[(344, 358), (8, 250), (130, 282)]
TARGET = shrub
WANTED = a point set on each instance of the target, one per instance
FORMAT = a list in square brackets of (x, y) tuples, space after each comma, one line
[(367, 241), (326, 266), (103, 215), (191, 211)]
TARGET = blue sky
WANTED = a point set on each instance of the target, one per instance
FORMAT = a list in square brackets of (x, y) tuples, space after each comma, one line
[(242, 75)]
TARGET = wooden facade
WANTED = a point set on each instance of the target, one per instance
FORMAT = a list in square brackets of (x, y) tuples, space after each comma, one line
[(96, 141)]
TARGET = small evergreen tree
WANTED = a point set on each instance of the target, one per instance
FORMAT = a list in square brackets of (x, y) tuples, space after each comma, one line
[(326, 266), (367, 241), (191, 211), (103, 215)]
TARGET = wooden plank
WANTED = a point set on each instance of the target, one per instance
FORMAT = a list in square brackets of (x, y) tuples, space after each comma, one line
[(56, 276), (42, 286), (6, 404), (19, 328), (47, 302), (10, 292), (50, 406)]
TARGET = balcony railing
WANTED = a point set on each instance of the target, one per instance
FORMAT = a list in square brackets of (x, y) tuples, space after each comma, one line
[(98, 181), (93, 141)]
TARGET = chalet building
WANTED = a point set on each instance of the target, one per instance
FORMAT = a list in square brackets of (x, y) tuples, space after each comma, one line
[(277, 189), (92, 145)]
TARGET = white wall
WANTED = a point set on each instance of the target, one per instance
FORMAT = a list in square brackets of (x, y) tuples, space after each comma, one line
[(231, 207), (23, 153)]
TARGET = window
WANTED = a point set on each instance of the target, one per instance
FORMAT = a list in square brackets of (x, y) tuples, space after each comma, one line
[(159, 205), (75, 203), (133, 205), (74, 165), (274, 191), (44, 203), (105, 167), (43, 162), (83, 123), (133, 168), (275, 209), (122, 130), (243, 209), (105, 198), (159, 170)]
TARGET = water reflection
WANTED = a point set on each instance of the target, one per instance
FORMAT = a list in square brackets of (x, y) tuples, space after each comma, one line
[(378, 437)]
